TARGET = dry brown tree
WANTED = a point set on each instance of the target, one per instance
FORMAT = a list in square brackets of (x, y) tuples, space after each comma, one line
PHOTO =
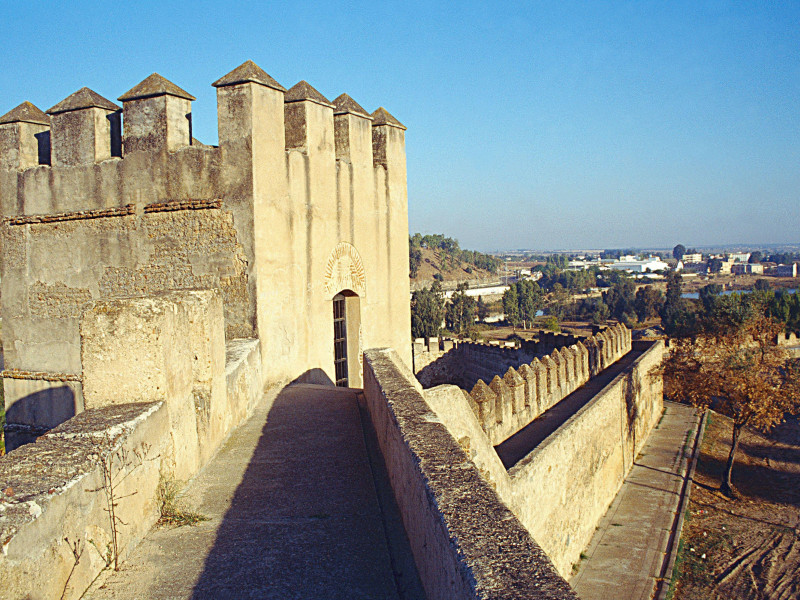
[(740, 372)]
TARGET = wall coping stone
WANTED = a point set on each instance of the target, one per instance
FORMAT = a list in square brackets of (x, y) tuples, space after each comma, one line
[(495, 556)]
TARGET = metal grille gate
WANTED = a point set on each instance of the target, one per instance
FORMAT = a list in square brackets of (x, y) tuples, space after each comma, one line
[(340, 340)]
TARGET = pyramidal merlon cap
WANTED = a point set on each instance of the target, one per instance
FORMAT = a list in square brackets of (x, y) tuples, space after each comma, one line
[(25, 113), (382, 117), (303, 90), (83, 98), (344, 105), (248, 72), (155, 85)]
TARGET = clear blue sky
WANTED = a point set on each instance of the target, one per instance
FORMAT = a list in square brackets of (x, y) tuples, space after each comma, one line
[(530, 125)]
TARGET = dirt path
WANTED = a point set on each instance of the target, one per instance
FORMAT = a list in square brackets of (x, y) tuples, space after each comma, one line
[(750, 547)]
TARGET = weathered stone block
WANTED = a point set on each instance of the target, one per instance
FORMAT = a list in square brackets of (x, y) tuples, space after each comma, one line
[(516, 385), (24, 138), (155, 349), (531, 391), (486, 401), (157, 116), (133, 350), (505, 401)]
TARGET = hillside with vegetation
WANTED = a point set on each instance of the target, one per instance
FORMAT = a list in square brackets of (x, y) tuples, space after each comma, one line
[(436, 257)]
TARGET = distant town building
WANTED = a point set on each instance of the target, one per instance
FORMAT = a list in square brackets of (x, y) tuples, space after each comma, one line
[(784, 270), (742, 257), (695, 267), (747, 269), (692, 258), (630, 263), (725, 268)]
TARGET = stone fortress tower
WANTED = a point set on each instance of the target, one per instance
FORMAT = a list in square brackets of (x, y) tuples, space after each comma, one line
[(156, 289), (298, 217)]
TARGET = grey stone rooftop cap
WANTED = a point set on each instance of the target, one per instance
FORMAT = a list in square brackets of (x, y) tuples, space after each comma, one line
[(155, 85), (303, 90), (382, 117), (344, 104), (83, 98), (25, 113), (246, 72)]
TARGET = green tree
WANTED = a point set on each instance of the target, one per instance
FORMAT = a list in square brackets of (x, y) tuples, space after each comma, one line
[(708, 294), (755, 257), (511, 306), (531, 300), (620, 297), (677, 315), (762, 285), (427, 311), (559, 299), (601, 312), (460, 311), (414, 261), (550, 323), (648, 302), (521, 301), (786, 308), (725, 313), (678, 251), (482, 309)]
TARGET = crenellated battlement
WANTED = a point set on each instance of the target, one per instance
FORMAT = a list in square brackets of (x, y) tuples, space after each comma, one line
[(510, 386), (509, 403), (84, 131), (105, 200)]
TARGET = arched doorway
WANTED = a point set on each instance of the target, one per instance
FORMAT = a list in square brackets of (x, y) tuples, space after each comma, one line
[(346, 342)]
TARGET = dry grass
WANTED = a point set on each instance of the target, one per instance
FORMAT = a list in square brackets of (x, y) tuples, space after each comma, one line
[(749, 547), (173, 512)]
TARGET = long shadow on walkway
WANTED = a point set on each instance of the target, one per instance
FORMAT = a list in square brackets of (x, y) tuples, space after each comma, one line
[(292, 513), (519, 445), (304, 522)]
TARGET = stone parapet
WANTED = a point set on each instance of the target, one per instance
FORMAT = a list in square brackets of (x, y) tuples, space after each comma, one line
[(564, 485), (164, 392), (523, 389), (56, 529), (466, 543), (788, 339), (551, 368), (479, 360)]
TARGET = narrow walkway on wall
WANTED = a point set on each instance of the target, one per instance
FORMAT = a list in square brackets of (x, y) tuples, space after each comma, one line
[(292, 512), (519, 445), (625, 557)]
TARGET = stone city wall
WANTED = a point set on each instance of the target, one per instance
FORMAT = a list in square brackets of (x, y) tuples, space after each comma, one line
[(282, 215), (564, 486), (435, 364), (161, 396), (522, 383), (466, 543)]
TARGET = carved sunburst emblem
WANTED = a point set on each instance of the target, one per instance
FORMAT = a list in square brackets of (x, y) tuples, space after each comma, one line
[(344, 270)]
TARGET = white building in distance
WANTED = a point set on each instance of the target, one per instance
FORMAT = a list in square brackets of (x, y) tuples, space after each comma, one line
[(632, 264)]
